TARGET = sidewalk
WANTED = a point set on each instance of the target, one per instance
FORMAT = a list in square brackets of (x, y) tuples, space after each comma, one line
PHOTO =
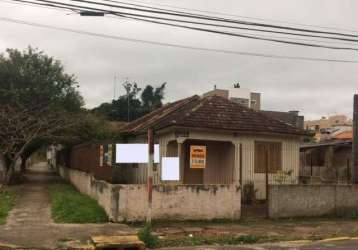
[(30, 225)]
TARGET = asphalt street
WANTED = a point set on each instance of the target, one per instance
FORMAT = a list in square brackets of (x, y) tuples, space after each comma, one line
[(334, 245)]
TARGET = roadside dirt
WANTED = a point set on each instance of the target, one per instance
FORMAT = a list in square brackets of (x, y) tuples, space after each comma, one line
[(311, 229)]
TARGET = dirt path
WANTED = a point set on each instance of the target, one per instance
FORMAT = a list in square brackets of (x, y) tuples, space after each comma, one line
[(30, 225), (32, 208)]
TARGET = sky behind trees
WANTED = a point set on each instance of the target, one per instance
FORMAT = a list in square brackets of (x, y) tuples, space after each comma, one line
[(314, 88)]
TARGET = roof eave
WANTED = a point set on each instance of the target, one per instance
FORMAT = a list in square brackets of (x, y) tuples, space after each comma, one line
[(169, 128)]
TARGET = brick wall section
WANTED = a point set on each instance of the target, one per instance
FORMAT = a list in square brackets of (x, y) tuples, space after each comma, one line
[(174, 202), (85, 157), (312, 200)]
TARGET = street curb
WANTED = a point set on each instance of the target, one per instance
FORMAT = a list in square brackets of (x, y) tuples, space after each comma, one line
[(323, 240), (8, 246), (336, 239), (298, 241)]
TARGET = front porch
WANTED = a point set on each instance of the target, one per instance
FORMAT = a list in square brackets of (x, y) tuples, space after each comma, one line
[(219, 165)]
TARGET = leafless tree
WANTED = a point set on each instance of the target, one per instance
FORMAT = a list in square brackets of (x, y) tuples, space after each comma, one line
[(21, 127)]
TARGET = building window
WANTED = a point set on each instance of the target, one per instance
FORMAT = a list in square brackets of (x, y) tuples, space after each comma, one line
[(316, 128), (273, 150)]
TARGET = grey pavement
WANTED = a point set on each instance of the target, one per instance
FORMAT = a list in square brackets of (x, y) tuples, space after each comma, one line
[(337, 245), (29, 224)]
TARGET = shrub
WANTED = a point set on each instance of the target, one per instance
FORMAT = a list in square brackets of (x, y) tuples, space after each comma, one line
[(145, 235), (249, 193)]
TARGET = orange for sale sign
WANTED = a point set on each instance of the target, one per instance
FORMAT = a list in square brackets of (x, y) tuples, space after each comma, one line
[(197, 156)]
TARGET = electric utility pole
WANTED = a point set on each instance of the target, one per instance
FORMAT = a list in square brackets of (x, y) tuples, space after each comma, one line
[(150, 173), (355, 141)]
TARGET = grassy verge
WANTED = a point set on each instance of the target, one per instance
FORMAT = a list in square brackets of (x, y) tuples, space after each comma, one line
[(153, 241), (6, 202), (70, 206), (215, 240)]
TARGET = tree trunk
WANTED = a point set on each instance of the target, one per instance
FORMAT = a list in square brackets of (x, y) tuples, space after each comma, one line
[(2, 168), (9, 171), (23, 164)]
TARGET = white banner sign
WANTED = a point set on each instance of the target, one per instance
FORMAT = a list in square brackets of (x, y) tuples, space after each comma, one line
[(135, 153), (170, 169)]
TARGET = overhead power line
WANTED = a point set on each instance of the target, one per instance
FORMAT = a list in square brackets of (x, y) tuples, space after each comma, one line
[(250, 34), (126, 15), (151, 4), (204, 17), (233, 27), (30, 4), (214, 18), (243, 36), (18, 21)]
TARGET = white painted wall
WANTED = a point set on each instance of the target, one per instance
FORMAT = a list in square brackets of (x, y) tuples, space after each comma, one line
[(290, 157), (170, 202), (290, 161)]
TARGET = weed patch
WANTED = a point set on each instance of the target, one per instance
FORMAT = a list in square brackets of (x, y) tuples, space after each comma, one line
[(217, 240), (70, 206), (145, 235), (6, 203)]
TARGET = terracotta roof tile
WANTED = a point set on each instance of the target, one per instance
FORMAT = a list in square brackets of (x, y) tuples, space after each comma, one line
[(212, 112), (345, 135)]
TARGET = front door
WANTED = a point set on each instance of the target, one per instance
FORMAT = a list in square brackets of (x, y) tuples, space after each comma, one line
[(191, 176)]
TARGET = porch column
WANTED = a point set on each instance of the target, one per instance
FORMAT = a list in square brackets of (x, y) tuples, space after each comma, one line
[(180, 142), (235, 171), (329, 157)]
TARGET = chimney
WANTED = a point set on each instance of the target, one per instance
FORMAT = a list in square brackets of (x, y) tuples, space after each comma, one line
[(355, 141)]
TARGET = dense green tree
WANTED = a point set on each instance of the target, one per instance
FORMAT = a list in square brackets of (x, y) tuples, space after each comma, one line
[(39, 103), (32, 78), (129, 107), (152, 98), (95, 127)]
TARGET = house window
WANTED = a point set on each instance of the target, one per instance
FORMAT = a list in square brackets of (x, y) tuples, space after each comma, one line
[(273, 160), (316, 128)]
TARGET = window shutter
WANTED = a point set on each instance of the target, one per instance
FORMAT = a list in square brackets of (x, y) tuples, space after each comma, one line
[(274, 150)]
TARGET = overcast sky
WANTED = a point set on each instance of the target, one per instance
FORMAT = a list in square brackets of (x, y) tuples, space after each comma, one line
[(314, 88)]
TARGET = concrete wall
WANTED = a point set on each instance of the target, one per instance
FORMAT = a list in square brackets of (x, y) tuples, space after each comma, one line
[(170, 202), (312, 200), (290, 157), (98, 190), (180, 202)]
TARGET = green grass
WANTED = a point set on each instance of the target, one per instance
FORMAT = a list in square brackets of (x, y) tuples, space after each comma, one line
[(6, 202), (153, 241), (215, 240), (145, 235), (70, 206)]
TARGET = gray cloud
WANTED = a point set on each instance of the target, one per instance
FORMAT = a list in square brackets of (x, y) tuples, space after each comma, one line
[(315, 88)]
